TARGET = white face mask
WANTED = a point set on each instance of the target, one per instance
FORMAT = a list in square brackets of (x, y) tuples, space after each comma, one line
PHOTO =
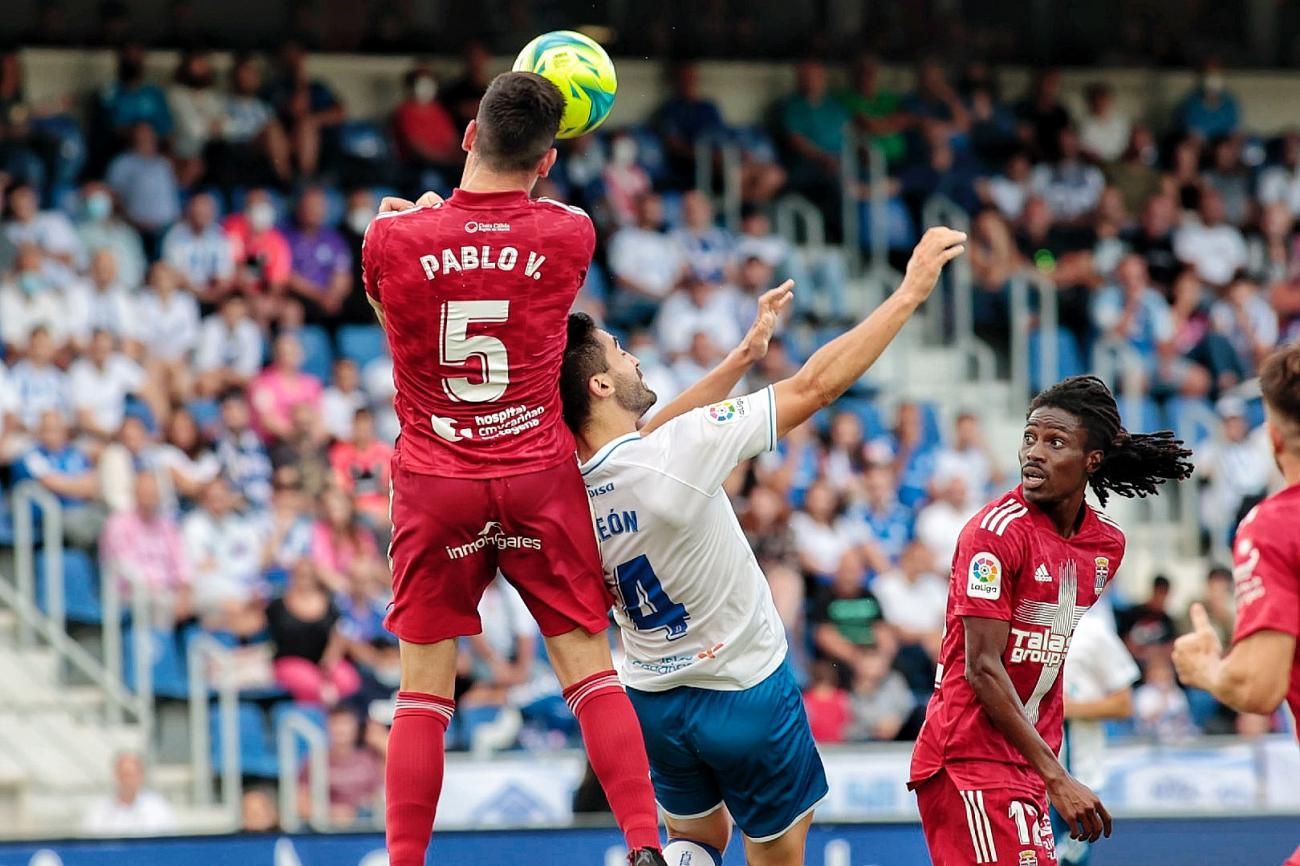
[(359, 219), (261, 216), (425, 90), (623, 151)]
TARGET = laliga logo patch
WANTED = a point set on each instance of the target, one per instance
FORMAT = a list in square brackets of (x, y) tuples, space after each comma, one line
[(985, 578), (721, 413), (1102, 574)]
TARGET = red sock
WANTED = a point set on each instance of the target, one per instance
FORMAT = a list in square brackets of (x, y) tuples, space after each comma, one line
[(612, 736), (413, 774)]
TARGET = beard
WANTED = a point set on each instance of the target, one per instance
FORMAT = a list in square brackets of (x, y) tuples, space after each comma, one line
[(632, 394)]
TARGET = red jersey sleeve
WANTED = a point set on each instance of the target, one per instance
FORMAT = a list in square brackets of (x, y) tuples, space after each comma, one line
[(1267, 576), (984, 568), (371, 243)]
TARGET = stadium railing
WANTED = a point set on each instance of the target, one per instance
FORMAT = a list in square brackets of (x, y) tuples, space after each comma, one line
[(715, 152), (295, 726), (1023, 284), (207, 653)]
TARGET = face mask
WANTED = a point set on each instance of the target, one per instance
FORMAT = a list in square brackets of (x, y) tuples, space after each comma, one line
[(30, 282), (425, 90), (623, 151), (99, 206), (261, 216), (359, 219)]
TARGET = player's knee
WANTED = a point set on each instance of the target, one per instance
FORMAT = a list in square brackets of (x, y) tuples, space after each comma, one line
[(576, 655), (429, 668), (712, 831)]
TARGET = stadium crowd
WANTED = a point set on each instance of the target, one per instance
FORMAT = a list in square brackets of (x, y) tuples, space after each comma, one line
[(191, 368)]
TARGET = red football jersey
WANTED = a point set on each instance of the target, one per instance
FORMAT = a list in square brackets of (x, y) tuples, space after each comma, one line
[(1266, 559), (476, 293), (1011, 564)]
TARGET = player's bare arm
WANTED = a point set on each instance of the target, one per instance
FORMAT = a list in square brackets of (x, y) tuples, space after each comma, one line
[(391, 204), (722, 379), (1252, 678), (1116, 705), (986, 641), (834, 368)]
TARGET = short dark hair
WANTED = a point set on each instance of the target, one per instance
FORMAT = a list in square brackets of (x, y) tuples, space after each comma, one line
[(1279, 382), (584, 357), (1161, 582), (517, 120)]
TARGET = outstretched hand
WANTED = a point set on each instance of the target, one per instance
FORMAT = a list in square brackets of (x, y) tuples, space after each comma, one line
[(937, 247), (771, 304), (391, 203), (1198, 653)]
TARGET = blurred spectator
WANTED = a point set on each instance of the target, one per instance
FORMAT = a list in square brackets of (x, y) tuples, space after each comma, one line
[(1209, 110), (187, 456), (343, 550), (462, 96), (625, 181), (1217, 250), (880, 699), (100, 384), (891, 523), (684, 119), (970, 458), (1281, 183), (145, 182), (282, 387), (1136, 175), (710, 251), (230, 344), (38, 384), (846, 452), (361, 468), (199, 110), (912, 453), (144, 545), (1160, 705), (200, 251), (253, 146), (106, 304), (1243, 316), (360, 209), (67, 472), (823, 535), (914, 598), (308, 108), (1070, 186), (1220, 604), (934, 103), (50, 230), (241, 454), (344, 397), (1042, 116), (645, 264), (309, 648), (700, 306), (263, 262), (258, 810), (847, 621), (1105, 131), (1147, 629), (1153, 240), (1236, 470), (29, 303), (944, 171), (994, 129), (1271, 252), (135, 449), (321, 261), (132, 809), (355, 767), (812, 124), (292, 523), (876, 110), (101, 229), (940, 522), (1231, 179), (130, 100), (1133, 313), (169, 329), (827, 704), (225, 552), (1009, 190), (305, 448), (426, 134)]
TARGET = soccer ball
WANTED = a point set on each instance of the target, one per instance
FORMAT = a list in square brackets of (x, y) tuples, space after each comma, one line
[(583, 72)]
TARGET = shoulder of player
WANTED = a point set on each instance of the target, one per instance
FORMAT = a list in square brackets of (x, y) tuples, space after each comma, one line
[(1004, 517), (385, 223), (1110, 526), (545, 203)]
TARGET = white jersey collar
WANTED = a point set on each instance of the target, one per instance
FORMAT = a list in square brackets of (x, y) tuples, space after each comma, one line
[(608, 448)]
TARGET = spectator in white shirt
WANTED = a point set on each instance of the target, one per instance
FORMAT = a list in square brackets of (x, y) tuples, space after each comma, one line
[(342, 399), (1282, 182), (101, 228), (28, 302), (700, 306), (710, 251), (101, 381), (1009, 190), (914, 598), (38, 385), (132, 810), (1070, 186), (1236, 469), (200, 251), (226, 552), (49, 230), (169, 328), (11, 440), (646, 264), (187, 456), (105, 304), (702, 355), (230, 343), (1245, 317), (1217, 250), (970, 457), (939, 524), (823, 534), (1105, 131)]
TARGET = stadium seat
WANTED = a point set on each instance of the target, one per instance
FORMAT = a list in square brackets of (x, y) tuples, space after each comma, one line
[(318, 352), (336, 206), (361, 344), (170, 672), (257, 753), (81, 600), (1147, 412)]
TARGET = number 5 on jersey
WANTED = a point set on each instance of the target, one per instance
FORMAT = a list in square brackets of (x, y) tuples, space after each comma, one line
[(458, 348), (646, 602)]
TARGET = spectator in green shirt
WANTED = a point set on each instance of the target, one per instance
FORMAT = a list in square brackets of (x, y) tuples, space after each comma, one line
[(876, 110), (812, 128)]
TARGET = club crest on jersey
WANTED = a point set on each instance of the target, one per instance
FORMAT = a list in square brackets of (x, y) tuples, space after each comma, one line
[(1102, 573), (1028, 858), (726, 411), (985, 580)]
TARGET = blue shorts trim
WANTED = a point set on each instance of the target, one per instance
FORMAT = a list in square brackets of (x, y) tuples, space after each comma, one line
[(749, 750)]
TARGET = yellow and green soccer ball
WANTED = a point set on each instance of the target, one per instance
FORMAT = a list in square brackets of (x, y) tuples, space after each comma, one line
[(583, 72)]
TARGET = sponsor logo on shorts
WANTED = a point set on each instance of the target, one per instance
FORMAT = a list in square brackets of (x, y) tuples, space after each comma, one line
[(1102, 573), (985, 579), (492, 535)]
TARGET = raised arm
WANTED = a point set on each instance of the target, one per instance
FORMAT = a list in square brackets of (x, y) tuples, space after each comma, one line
[(720, 381), (1252, 678), (391, 203), (836, 366), (986, 641)]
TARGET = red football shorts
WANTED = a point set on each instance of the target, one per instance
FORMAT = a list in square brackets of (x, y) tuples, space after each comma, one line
[(451, 535), (993, 825)]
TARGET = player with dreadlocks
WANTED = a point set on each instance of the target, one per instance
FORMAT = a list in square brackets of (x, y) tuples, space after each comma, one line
[(1027, 568)]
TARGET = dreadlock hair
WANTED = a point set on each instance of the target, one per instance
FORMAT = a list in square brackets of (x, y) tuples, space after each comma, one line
[(1132, 464)]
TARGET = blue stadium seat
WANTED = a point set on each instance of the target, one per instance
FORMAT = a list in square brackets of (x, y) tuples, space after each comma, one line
[(1069, 360), (873, 424), (1148, 413), (170, 672), (362, 343), (81, 598), (257, 754), (364, 140), (318, 352), (336, 206), (932, 433)]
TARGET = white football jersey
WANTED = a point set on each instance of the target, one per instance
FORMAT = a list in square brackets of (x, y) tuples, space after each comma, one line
[(1098, 664), (693, 605)]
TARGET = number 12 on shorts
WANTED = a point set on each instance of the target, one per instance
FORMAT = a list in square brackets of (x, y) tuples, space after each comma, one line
[(646, 602)]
